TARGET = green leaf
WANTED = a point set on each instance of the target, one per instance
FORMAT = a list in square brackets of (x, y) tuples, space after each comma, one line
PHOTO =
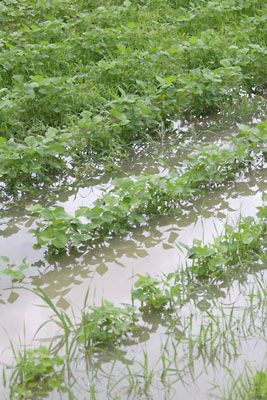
[(107, 216), (60, 241)]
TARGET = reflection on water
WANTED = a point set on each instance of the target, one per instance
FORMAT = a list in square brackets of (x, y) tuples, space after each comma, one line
[(108, 268), (185, 351), (152, 248)]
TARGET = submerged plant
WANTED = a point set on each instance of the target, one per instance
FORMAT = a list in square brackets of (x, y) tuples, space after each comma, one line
[(230, 253), (252, 385), (15, 272), (36, 372), (151, 293), (105, 324), (108, 325)]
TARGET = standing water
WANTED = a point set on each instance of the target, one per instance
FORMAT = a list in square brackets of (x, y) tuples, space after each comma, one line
[(190, 353)]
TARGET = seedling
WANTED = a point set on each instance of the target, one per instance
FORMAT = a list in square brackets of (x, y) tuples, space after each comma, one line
[(151, 293), (15, 272), (105, 324), (36, 372)]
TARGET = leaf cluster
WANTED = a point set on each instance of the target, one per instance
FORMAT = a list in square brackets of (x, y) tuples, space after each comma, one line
[(36, 372), (105, 324)]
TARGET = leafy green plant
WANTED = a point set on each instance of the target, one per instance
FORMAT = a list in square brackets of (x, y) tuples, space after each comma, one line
[(15, 272), (37, 371), (230, 251), (151, 293), (105, 324), (37, 157)]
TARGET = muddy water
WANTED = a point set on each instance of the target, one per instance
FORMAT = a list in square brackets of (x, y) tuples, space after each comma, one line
[(193, 371), (107, 269)]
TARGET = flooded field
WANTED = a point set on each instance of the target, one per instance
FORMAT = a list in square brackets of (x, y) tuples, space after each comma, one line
[(192, 352), (133, 190)]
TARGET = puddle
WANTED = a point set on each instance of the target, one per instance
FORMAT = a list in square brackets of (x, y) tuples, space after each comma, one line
[(107, 271)]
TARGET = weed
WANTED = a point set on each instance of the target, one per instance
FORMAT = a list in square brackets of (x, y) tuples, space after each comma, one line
[(37, 371), (150, 293), (252, 385), (15, 272), (231, 250), (105, 324), (213, 263)]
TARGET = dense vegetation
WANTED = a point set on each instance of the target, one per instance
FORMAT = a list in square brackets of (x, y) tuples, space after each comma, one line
[(82, 83), (82, 79)]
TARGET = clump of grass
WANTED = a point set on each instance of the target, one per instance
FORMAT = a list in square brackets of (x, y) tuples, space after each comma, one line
[(36, 373), (132, 201)]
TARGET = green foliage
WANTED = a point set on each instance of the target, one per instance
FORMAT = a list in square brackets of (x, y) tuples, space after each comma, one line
[(151, 293), (36, 373), (230, 252), (132, 200), (105, 324), (250, 386), (108, 73), (259, 386), (37, 157), (15, 272)]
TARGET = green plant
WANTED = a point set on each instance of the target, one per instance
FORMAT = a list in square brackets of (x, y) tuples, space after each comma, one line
[(259, 386), (37, 371), (109, 325), (15, 272), (151, 293), (231, 250), (230, 253), (37, 157), (105, 324), (251, 385)]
